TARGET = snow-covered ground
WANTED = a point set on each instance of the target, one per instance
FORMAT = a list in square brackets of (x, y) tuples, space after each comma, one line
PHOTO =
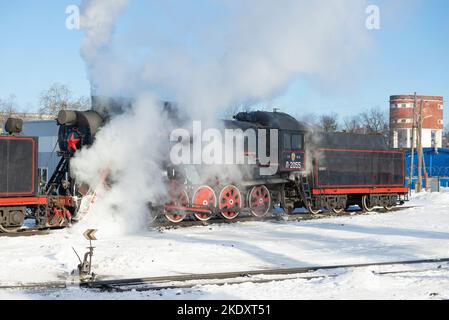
[(415, 233)]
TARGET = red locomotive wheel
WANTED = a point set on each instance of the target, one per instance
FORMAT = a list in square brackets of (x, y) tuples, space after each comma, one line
[(204, 197), (230, 198), (259, 201), (180, 200)]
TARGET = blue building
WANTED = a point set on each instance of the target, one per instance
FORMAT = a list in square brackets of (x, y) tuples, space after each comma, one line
[(437, 166), (48, 159)]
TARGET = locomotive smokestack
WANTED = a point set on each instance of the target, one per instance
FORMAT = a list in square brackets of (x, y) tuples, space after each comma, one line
[(109, 107)]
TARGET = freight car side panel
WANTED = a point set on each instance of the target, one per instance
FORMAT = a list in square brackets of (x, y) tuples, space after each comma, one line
[(336, 168), (18, 166)]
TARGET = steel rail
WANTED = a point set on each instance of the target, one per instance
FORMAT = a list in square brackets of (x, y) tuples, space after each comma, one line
[(161, 222), (119, 284), (193, 280)]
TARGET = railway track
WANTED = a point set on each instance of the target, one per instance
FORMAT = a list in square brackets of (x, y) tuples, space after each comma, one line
[(162, 223), (255, 276), (22, 232), (227, 278)]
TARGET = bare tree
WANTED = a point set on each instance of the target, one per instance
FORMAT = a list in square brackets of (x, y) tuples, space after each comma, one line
[(328, 122), (352, 124), (9, 105), (59, 97), (81, 103), (309, 118), (375, 121), (8, 108)]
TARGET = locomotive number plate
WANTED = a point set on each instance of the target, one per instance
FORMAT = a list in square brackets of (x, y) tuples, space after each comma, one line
[(293, 165)]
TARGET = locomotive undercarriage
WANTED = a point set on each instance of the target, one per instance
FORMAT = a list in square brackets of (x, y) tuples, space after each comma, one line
[(12, 217), (225, 200), (48, 213), (259, 198)]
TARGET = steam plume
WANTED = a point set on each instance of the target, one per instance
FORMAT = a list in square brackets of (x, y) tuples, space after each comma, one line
[(98, 21), (251, 53)]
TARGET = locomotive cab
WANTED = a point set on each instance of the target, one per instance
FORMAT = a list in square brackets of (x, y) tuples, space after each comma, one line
[(291, 137), (292, 154)]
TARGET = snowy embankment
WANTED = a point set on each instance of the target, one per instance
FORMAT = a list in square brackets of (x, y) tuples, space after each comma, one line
[(414, 233)]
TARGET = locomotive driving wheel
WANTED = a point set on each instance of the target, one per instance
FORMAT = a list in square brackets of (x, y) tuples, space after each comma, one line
[(313, 211), (230, 198), (259, 201), (338, 210), (366, 205), (179, 200), (8, 230), (204, 197)]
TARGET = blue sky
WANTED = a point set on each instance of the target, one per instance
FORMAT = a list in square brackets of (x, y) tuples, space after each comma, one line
[(410, 53)]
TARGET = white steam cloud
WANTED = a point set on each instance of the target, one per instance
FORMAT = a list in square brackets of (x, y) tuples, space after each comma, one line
[(98, 22), (129, 151), (249, 53)]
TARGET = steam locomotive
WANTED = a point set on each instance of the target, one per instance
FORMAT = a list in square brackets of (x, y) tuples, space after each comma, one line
[(314, 170)]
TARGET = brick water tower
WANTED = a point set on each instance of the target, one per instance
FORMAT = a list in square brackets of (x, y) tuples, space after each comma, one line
[(405, 113)]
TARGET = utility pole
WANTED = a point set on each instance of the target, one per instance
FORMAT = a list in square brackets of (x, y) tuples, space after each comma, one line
[(426, 174), (412, 154), (420, 148)]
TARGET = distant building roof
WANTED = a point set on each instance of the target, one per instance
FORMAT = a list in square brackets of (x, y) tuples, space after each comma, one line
[(26, 117)]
